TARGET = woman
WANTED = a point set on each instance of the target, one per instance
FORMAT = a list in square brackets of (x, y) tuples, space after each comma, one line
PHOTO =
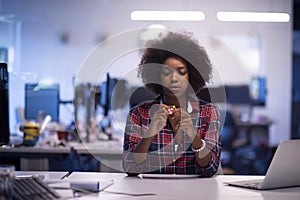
[(176, 133)]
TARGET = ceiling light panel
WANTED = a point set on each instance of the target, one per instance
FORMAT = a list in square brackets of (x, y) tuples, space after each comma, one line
[(167, 15), (253, 16)]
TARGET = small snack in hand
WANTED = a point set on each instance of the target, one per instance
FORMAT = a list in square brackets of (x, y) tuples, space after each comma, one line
[(171, 108)]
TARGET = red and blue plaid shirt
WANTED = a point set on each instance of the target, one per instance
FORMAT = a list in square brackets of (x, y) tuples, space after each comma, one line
[(164, 156)]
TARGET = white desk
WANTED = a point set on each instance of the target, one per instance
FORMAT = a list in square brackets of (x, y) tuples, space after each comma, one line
[(193, 188), (45, 174), (36, 158), (108, 152), (32, 158)]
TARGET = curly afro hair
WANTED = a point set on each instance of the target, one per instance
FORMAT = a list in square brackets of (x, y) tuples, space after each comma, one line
[(177, 45)]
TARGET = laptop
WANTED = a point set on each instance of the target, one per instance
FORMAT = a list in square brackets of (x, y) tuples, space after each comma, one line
[(284, 170)]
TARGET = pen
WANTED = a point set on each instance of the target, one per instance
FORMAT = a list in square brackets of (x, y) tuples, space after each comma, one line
[(66, 175)]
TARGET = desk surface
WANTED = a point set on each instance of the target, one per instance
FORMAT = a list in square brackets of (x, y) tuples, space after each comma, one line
[(98, 148), (35, 150), (35, 158), (193, 188), (95, 148), (250, 123)]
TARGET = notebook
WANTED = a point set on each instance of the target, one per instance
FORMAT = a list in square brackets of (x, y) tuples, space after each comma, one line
[(284, 169)]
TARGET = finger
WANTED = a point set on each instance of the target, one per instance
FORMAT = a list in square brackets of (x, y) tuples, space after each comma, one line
[(164, 106), (161, 111), (170, 108), (177, 112), (161, 117), (161, 114)]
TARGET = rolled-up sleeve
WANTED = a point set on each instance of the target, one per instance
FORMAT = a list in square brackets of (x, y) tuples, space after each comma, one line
[(132, 136), (210, 131)]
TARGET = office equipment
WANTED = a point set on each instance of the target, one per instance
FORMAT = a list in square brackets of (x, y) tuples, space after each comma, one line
[(212, 94), (33, 188), (90, 185), (237, 94), (41, 100), (283, 171), (4, 107), (253, 94), (258, 91), (107, 88)]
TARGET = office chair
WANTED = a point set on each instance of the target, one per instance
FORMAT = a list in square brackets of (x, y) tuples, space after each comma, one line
[(229, 131), (140, 95), (228, 136)]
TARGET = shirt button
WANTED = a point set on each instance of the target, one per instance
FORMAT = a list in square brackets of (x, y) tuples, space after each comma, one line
[(174, 160)]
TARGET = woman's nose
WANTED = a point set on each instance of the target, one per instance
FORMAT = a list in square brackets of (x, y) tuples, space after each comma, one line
[(174, 76)]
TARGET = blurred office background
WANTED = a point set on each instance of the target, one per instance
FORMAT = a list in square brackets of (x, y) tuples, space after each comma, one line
[(48, 42)]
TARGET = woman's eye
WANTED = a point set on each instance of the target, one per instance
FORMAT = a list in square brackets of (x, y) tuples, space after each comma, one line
[(166, 72), (182, 73)]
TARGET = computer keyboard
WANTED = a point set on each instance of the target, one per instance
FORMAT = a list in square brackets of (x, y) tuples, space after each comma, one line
[(33, 188), (254, 184)]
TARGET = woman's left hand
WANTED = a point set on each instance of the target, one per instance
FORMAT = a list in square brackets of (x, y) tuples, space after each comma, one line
[(187, 125), (181, 121)]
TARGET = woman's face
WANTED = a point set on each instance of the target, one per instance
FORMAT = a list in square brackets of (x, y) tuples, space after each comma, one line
[(174, 77)]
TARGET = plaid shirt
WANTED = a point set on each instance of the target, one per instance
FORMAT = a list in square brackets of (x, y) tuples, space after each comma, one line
[(164, 156)]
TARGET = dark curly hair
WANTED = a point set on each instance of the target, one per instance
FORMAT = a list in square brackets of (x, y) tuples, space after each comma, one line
[(182, 46)]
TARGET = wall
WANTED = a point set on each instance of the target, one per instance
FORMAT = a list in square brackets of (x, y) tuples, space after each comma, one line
[(58, 35)]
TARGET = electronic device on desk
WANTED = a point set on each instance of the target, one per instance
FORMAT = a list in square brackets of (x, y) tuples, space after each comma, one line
[(283, 171), (4, 108), (41, 100), (33, 188)]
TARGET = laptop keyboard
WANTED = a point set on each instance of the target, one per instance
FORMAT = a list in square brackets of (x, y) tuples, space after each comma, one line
[(255, 184), (33, 189)]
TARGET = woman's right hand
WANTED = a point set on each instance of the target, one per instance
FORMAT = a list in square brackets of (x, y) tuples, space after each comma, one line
[(159, 116)]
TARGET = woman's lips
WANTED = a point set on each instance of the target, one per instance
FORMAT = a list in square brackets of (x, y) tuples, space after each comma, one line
[(174, 87)]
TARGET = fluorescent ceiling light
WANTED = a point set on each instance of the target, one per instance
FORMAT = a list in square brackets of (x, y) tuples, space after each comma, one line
[(253, 16), (158, 26), (168, 15), (153, 31)]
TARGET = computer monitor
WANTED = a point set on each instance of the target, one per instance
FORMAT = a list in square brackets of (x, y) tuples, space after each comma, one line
[(258, 91), (41, 100), (238, 94), (213, 94), (107, 88)]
